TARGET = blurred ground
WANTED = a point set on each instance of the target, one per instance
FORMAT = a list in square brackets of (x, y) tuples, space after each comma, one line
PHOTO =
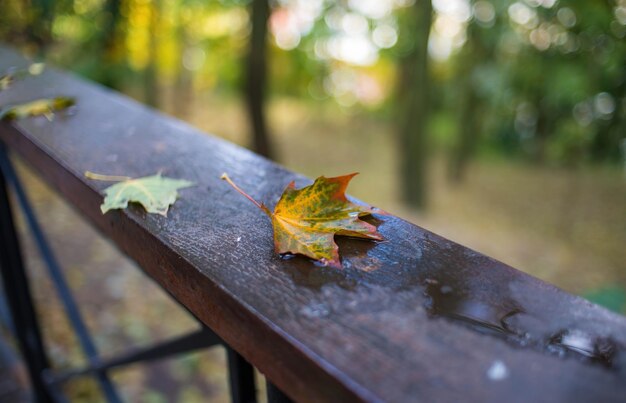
[(565, 227)]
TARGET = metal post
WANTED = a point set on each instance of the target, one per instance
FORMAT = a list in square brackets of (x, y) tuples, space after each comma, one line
[(241, 378), (275, 395), (17, 291), (203, 338), (56, 274)]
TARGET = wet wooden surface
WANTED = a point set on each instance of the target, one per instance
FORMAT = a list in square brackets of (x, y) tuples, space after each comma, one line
[(417, 317)]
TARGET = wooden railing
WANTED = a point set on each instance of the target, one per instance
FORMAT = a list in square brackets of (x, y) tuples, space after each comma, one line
[(414, 318)]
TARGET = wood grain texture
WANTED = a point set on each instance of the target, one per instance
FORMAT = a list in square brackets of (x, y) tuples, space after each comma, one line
[(415, 318)]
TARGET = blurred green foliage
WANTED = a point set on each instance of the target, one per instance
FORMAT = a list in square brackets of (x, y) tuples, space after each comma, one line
[(612, 297), (543, 80)]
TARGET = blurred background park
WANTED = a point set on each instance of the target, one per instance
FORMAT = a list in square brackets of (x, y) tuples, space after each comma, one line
[(500, 124)]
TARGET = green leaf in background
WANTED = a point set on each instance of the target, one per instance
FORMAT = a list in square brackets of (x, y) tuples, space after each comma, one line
[(611, 297), (45, 106), (155, 193)]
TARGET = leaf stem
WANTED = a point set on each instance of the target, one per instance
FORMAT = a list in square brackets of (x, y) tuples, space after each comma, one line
[(237, 188), (107, 178)]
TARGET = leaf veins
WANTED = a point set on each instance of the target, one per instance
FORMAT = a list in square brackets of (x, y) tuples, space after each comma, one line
[(155, 193), (306, 220)]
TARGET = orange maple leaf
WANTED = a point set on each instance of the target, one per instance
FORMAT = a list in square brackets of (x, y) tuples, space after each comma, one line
[(306, 220)]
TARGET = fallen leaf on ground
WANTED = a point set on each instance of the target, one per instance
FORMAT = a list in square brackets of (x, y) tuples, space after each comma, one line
[(46, 107), (306, 220), (155, 193)]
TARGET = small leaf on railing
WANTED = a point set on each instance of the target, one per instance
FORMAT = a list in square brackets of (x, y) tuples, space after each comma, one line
[(155, 193), (306, 220), (36, 69), (7, 79), (45, 106)]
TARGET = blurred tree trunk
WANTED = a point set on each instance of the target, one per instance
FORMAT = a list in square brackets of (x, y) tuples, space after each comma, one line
[(469, 105), (183, 91), (607, 144), (415, 105), (41, 25), (468, 132), (542, 133), (256, 77), (150, 83), (110, 43)]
